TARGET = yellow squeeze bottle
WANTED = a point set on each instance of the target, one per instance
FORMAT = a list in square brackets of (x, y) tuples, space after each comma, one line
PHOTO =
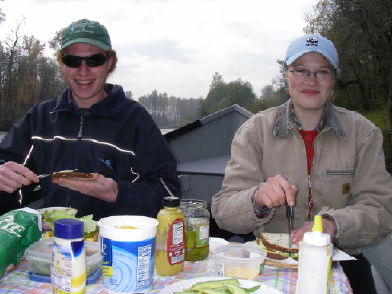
[(170, 239), (315, 258)]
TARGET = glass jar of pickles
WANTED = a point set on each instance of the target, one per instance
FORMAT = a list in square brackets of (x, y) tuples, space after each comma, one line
[(197, 228)]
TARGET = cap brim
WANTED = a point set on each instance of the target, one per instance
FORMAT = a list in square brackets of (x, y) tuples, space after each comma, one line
[(299, 54), (96, 43)]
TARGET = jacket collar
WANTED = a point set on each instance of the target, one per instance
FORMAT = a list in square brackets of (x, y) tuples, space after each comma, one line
[(111, 105), (284, 123)]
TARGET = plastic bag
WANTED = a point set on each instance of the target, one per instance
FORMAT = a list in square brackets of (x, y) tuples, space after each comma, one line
[(18, 230)]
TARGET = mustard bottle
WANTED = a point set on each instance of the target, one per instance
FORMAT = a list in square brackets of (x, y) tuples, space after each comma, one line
[(170, 245)]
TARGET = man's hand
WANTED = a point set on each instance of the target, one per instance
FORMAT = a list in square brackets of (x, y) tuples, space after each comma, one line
[(99, 187), (329, 227), (276, 191), (14, 175)]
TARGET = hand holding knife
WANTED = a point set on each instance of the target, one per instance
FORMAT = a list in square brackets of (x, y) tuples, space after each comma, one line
[(273, 192)]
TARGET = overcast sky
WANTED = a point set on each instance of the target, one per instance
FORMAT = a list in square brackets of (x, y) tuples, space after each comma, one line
[(176, 46)]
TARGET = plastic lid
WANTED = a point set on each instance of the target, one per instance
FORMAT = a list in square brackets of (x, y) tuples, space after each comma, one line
[(240, 253), (68, 228), (39, 256), (171, 201), (317, 237)]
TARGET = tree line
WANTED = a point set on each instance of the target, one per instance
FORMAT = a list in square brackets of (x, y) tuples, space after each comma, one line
[(26, 76), (169, 111)]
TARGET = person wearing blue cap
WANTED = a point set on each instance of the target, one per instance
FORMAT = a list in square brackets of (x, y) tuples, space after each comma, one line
[(91, 127), (314, 156)]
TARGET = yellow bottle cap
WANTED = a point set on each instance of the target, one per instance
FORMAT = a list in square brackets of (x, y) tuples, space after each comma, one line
[(318, 223)]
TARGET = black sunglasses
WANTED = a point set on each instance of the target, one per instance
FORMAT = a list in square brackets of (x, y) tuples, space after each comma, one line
[(91, 61)]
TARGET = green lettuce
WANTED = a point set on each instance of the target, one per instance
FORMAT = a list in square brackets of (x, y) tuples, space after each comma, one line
[(51, 215)]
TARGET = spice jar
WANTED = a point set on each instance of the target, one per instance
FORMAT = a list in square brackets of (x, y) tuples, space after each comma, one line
[(197, 228), (68, 269)]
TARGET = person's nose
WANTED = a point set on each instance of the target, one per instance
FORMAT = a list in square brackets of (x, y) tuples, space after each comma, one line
[(83, 68), (311, 78)]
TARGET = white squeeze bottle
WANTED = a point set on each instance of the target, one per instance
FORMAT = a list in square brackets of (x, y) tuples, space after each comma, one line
[(68, 268), (315, 258)]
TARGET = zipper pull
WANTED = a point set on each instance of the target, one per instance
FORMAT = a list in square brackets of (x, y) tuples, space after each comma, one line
[(80, 133)]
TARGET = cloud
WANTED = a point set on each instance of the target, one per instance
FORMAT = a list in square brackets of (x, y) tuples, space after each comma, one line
[(160, 49)]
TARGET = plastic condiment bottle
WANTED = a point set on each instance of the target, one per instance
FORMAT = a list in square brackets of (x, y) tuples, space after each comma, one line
[(68, 268), (170, 246), (315, 258)]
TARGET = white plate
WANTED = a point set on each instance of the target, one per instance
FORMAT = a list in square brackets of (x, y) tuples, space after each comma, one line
[(180, 286)]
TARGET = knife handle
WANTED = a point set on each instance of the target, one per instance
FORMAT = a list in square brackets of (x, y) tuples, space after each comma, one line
[(289, 211)]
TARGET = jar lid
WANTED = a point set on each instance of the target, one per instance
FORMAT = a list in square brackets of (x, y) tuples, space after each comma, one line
[(196, 203), (68, 228), (171, 201)]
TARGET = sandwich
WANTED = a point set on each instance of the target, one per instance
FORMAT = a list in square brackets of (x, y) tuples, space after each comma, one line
[(277, 246), (51, 214), (72, 174)]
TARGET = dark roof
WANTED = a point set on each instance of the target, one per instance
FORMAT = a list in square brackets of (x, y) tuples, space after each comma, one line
[(182, 130), (226, 111), (205, 120)]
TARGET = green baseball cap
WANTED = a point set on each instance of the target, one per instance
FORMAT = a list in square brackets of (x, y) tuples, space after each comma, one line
[(86, 31)]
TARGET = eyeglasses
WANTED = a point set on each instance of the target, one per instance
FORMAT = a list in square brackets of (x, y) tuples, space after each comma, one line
[(320, 75), (91, 61)]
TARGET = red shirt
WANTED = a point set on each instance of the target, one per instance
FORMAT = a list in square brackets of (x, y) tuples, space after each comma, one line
[(309, 137)]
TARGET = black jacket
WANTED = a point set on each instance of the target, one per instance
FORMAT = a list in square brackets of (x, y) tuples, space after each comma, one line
[(115, 137)]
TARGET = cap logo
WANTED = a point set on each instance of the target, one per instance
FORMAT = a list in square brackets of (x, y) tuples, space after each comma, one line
[(312, 41), (82, 28)]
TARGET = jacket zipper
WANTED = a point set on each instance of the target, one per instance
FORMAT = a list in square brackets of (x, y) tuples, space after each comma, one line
[(310, 199), (80, 135)]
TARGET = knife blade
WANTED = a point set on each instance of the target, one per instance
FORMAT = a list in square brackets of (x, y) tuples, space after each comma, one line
[(44, 176), (289, 215)]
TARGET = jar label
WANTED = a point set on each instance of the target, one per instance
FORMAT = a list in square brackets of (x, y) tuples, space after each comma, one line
[(175, 242), (68, 268), (202, 235)]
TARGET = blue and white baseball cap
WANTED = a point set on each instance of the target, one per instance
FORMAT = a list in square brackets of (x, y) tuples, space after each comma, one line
[(312, 43)]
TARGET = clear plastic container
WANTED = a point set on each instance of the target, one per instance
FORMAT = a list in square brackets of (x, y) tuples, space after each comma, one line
[(239, 261), (39, 257)]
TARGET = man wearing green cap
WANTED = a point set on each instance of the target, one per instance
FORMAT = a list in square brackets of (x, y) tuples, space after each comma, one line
[(91, 127)]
